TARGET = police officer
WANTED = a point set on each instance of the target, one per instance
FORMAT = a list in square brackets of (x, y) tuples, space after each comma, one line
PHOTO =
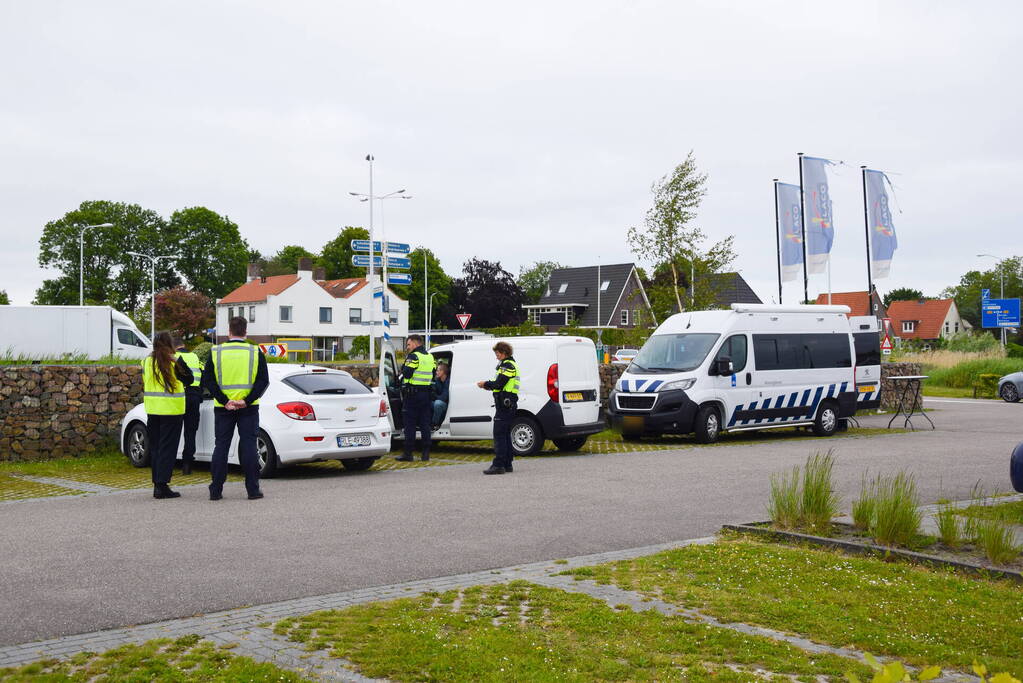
[(417, 406), (506, 399), (193, 398), (236, 377), (164, 379)]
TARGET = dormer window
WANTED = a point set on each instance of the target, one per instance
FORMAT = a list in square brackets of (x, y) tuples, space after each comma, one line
[(908, 325), (563, 288), (604, 285)]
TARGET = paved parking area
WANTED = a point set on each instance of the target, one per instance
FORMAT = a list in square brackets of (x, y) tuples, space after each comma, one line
[(85, 563)]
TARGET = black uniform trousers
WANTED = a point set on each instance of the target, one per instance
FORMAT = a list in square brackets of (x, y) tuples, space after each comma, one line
[(246, 421), (164, 435), (503, 454), (417, 411), (193, 399)]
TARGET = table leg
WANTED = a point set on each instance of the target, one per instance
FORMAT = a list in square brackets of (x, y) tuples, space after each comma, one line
[(900, 406)]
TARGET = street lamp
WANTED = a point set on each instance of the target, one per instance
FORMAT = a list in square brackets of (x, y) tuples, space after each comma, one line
[(429, 320), (81, 259), (152, 287), (1001, 286)]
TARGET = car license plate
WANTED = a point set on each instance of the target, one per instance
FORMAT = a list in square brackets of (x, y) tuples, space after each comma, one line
[(353, 440), (866, 388), (632, 423), (573, 396)]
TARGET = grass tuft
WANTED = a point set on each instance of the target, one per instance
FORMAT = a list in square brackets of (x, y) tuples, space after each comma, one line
[(896, 519), (863, 507), (950, 526), (783, 507), (819, 503), (997, 540)]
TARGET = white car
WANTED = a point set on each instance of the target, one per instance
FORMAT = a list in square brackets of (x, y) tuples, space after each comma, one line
[(624, 355), (307, 414)]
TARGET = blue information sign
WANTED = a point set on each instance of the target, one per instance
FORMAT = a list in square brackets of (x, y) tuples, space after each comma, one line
[(392, 247), (399, 279), (362, 260), (999, 313)]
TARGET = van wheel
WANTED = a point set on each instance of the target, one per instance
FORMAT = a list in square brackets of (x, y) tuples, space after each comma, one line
[(572, 443), (266, 456), (707, 425), (136, 445), (526, 437), (826, 422)]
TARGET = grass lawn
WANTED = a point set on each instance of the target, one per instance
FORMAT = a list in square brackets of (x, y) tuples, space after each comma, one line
[(524, 632), (941, 391), (13, 488), (922, 616), (1003, 512), (181, 660)]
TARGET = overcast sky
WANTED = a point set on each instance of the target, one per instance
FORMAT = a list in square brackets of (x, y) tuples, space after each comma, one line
[(530, 131)]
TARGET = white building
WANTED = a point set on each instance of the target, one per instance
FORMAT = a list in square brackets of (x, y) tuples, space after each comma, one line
[(306, 311)]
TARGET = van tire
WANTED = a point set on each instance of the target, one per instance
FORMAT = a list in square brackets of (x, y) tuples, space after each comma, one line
[(826, 422), (570, 444), (136, 445), (707, 425), (526, 436), (268, 469)]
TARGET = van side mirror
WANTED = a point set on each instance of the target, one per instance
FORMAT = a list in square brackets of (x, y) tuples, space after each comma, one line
[(722, 366)]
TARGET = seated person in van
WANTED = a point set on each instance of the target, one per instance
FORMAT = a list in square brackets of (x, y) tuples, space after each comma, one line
[(440, 394)]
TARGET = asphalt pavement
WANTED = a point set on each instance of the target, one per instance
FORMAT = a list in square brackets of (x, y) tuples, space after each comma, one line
[(82, 564)]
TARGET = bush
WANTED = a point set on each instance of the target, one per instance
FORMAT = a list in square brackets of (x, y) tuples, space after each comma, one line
[(970, 341), (950, 526), (896, 519), (963, 375), (202, 350), (783, 507), (1013, 350), (805, 498)]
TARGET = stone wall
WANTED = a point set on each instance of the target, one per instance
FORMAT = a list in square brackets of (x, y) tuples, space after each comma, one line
[(889, 389)]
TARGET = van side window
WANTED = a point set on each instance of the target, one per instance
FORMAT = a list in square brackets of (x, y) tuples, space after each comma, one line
[(765, 351), (735, 349), (128, 338), (802, 351)]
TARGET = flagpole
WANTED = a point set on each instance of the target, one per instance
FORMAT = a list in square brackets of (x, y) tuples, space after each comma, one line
[(866, 235), (802, 227), (829, 278), (777, 236)]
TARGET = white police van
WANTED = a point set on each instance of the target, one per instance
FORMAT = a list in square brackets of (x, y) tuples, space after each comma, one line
[(755, 366)]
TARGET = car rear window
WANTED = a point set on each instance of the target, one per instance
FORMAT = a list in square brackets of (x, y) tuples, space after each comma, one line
[(327, 383)]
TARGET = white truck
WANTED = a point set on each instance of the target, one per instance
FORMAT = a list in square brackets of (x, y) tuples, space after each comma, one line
[(55, 332)]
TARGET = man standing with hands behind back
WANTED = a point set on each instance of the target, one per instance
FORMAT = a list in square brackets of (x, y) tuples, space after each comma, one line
[(236, 377)]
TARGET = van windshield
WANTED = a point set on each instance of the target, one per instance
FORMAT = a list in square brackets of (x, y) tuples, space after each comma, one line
[(673, 353)]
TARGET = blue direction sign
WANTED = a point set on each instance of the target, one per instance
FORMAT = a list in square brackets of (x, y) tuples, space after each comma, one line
[(999, 313), (362, 261), (399, 279), (392, 247)]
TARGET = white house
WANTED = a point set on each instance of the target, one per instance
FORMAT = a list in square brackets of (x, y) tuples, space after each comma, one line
[(306, 311)]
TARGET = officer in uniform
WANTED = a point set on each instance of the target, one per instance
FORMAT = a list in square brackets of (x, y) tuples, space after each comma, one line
[(164, 379), (193, 399), (417, 403), (505, 387), (236, 377)]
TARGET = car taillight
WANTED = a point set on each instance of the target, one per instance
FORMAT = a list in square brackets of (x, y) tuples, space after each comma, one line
[(552, 383), (297, 410), (383, 408)]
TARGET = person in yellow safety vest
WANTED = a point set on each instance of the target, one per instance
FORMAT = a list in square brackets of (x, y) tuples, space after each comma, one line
[(164, 379), (236, 377), (193, 399), (417, 393), (505, 387)]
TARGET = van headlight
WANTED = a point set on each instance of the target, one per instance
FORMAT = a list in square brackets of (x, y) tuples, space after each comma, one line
[(680, 384)]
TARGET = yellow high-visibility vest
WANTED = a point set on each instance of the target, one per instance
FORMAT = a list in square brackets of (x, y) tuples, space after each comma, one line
[(158, 399), (235, 364), (192, 361), (423, 365), (512, 373)]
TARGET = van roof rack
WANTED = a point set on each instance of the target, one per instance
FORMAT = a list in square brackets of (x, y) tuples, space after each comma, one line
[(795, 308)]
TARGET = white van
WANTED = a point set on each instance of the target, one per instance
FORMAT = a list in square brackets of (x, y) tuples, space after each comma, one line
[(559, 392), (755, 366)]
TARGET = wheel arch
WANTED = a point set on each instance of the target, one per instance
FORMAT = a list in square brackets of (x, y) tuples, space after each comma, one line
[(719, 405), (127, 431)]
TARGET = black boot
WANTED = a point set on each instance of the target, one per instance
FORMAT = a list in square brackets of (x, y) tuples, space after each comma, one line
[(186, 467), (164, 491)]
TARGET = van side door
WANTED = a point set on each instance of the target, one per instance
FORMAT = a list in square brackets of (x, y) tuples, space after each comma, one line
[(732, 389)]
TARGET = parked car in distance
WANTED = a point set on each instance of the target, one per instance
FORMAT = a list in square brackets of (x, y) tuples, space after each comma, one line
[(1010, 387), (307, 414), (624, 356)]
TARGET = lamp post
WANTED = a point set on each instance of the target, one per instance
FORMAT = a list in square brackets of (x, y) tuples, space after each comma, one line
[(429, 320), (81, 259), (1001, 285), (152, 287)]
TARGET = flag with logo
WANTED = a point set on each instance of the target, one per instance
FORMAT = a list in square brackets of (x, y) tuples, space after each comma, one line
[(820, 228), (883, 242), (790, 230)]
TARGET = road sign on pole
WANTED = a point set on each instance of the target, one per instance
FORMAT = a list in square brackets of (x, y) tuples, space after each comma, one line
[(362, 261), (1000, 313), (274, 350), (463, 319), (399, 279), (392, 247), (886, 346)]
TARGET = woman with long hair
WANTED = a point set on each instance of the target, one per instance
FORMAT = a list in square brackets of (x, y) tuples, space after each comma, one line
[(164, 377)]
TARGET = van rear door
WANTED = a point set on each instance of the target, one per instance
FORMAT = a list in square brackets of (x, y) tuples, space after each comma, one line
[(579, 382)]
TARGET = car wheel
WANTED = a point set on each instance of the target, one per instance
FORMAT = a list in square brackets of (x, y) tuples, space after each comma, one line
[(826, 422), (526, 437), (136, 445), (707, 426), (1009, 392), (572, 443), (266, 456), (358, 464)]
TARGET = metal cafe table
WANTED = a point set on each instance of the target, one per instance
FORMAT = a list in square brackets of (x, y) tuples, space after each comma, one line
[(908, 386)]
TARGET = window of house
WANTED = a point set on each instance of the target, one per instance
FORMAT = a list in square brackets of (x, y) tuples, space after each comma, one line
[(625, 316), (908, 325), (326, 314), (604, 285), (355, 315), (635, 316), (948, 327), (230, 312), (957, 327), (285, 314), (252, 314), (393, 316), (563, 288), (350, 285)]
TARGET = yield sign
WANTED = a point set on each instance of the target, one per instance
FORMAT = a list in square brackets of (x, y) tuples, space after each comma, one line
[(463, 319)]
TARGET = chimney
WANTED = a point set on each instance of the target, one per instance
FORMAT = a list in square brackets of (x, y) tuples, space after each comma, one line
[(305, 269), (319, 274), (253, 271)]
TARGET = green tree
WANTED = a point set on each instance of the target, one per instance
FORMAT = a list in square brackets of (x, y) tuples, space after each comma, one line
[(534, 280), (112, 276), (489, 293), (439, 284), (902, 294), (967, 292), (285, 261), (336, 255), (212, 254), (4, 299)]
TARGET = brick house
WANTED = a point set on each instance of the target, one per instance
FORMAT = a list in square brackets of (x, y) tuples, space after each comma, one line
[(574, 295), (926, 319)]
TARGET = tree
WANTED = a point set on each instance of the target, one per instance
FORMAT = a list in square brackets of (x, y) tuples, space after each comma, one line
[(489, 293), (902, 294), (533, 280), (112, 276), (336, 255), (668, 238), (184, 312), (4, 299), (967, 293), (212, 254), (439, 283), (285, 261)]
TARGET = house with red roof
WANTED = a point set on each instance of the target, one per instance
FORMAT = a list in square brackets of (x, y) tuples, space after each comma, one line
[(859, 303), (309, 312), (926, 319)]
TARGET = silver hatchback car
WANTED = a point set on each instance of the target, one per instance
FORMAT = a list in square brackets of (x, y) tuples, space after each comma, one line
[(1010, 387)]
